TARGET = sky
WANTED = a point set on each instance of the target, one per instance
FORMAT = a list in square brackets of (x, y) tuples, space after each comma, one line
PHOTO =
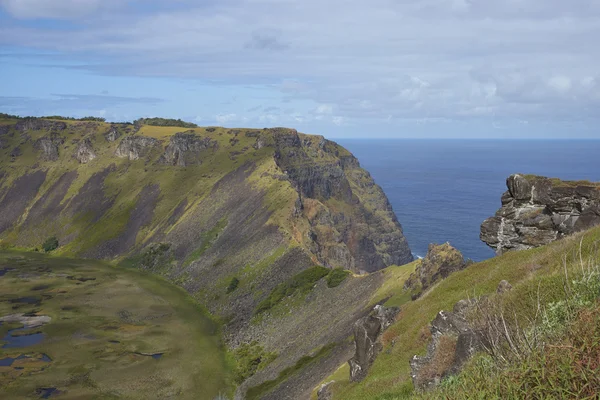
[(342, 68)]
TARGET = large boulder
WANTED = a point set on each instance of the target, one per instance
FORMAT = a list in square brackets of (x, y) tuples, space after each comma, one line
[(135, 147), (49, 146), (453, 342), (440, 261), (84, 153), (537, 210), (186, 149), (367, 332)]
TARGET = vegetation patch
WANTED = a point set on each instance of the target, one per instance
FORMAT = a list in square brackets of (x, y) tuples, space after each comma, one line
[(164, 122), (250, 358), (206, 241), (233, 284), (336, 277), (257, 392), (50, 244), (301, 283)]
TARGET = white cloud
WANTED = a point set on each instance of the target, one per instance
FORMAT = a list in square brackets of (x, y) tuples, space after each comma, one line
[(226, 118), (59, 9)]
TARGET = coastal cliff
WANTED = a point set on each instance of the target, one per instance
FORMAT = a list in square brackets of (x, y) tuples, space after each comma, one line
[(240, 218)]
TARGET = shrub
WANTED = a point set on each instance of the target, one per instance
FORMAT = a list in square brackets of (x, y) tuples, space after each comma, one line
[(250, 358), (50, 244), (336, 276), (302, 282), (233, 284)]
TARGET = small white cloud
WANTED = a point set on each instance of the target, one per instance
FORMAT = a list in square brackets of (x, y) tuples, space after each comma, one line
[(337, 120), (325, 109), (226, 118), (560, 83)]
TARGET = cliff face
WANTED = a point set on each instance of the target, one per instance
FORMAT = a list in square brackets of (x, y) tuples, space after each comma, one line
[(202, 207), (537, 210)]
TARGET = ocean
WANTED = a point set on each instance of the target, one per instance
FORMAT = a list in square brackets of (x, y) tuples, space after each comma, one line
[(442, 190)]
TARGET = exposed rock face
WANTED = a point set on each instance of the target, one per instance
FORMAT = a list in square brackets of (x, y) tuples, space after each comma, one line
[(440, 261), (453, 342), (504, 287), (367, 332), (186, 148), (85, 152), (365, 240), (37, 124), (49, 146), (112, 134), (537, 210), (135, 147)]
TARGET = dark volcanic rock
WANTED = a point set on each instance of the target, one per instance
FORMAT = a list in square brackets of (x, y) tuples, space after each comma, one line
[(49, 146), (324, 392), (85, 152), (440, 261), (367, 332), (453, 342), (135, 147), (18, 197), (186, 149), (537, 210)]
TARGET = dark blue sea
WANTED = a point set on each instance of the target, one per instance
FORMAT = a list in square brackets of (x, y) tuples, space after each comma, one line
[(442, 190)]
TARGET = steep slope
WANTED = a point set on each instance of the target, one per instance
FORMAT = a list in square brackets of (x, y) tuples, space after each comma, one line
[(536, 278), (206, 207)]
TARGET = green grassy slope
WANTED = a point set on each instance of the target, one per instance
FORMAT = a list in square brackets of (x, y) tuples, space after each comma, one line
[(528, 271)]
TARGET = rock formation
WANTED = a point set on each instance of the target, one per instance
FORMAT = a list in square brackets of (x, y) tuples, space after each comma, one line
[(135, 147), (440, 261), (49, 146), (39, 124), (186, 148), (367, 332), (537, 210), (453, 342), (112, 134), (84, 153)]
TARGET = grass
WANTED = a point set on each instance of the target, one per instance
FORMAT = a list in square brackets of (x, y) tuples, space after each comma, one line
[(206, 241), (301, 283), (100, 319), (256, 392), (389, 376)]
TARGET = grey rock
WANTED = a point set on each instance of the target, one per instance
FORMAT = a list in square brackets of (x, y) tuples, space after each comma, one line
[(537, 210), (504, 287), (49, 146), (84, 153), (367, 332), (187, 149), (324, 392), (38, 124), (454, 326), (112, 134), (135, 147)]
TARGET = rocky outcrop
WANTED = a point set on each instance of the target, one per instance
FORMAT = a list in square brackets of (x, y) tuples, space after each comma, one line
[(39, 124), (186, 149), (440, 261), (324, 392), (453, 342), (135, 147), (112, 134), (367, 332), (537, 210), (84, 153), (49, 146)]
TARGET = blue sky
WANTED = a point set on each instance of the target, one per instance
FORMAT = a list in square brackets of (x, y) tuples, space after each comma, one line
[(342, 68)]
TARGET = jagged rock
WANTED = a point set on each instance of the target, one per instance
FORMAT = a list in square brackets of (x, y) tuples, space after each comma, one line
[(504, 287), (537, 210), (440, 261), (85, 152), (135, 147), (367, 332), (37, 124), (112, 134), (16, 152), (453, 342), (186, 148), (49, 146), (324, 392)]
